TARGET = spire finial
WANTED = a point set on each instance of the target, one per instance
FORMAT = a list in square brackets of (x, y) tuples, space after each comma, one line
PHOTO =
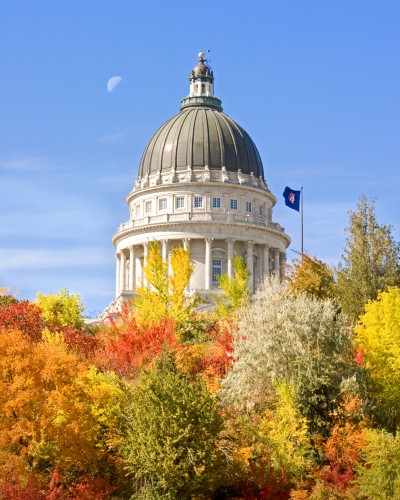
[(201, 56)]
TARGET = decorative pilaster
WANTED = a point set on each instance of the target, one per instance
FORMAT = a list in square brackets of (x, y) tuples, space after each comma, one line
[(132, 269), (207, 264), (250, 263), (230, 256), (117, 274)]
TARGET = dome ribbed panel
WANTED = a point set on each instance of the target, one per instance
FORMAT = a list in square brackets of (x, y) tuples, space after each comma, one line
[(214, 133), (199, 137)]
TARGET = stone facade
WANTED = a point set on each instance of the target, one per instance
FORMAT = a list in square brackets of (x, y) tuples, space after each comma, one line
[(216, 212)]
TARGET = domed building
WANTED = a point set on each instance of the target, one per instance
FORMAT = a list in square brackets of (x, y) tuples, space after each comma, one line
[(201, 185)]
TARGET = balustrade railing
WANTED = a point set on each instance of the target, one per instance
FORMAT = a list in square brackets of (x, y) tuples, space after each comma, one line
[(203, 216)]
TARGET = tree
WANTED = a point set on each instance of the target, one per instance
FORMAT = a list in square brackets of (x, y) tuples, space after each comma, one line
[(283, 431), (6, 298), (370, 261), (235, 288), (310, 275), (23, 316), (128, 347), (48, 416), (378, 337), (173, 434), (296, 339), (378, 476), (164, 295), (61, 309)]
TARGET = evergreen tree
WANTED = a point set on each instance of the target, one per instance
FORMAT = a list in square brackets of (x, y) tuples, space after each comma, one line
[(370, 261), (171, 448)]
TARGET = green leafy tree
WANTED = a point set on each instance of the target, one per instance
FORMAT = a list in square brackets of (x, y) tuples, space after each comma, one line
[(370, 261), (61, 309), (6, 298), (310, 275), (378, 477), (235, 288), (171, 445), (378, 338), (299, 340)]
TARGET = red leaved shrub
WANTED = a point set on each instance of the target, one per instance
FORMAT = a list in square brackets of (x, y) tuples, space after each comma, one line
[(23, 316)]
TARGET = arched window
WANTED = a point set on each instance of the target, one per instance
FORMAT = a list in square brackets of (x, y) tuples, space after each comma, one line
[(216, 270)]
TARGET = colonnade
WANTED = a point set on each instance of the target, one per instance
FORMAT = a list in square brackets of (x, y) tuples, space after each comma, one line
[(126, 279)]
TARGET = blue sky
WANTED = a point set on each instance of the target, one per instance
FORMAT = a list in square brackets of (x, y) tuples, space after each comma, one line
[(316, 84)]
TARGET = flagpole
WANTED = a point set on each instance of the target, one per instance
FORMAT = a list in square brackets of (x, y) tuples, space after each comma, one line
[(301, 212)]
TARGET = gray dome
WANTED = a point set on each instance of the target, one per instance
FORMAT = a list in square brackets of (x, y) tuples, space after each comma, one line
[(197, 137)]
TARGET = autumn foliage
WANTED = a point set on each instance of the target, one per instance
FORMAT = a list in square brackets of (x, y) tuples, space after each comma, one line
[(274, 396), (23, 316)]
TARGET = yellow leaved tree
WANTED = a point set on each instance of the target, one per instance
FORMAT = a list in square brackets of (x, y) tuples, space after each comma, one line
[(164, 295), (378, 338), (236, 290), (310, 275)]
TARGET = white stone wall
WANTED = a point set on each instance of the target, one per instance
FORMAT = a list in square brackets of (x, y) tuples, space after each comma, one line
[(253, 234)]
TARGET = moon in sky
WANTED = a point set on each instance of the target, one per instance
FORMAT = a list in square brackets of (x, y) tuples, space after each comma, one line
[(113, 82)]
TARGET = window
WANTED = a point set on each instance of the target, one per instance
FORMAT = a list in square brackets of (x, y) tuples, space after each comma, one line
[(137, 210), (203, 88), (249, 206), (216, 202), (234, 204), (162, 204), (149, 206), (198, 202), (216, 270), (260, 211), (180, 202)]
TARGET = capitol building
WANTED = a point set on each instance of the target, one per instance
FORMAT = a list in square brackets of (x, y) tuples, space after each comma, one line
[(201, 184)]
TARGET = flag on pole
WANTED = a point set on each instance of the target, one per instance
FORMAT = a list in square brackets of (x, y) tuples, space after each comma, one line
[(292, 198)]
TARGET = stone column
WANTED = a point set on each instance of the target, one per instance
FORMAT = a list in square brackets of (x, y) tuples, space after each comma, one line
[(186, 246), (122, 273), (164, 250), (145, 250), (207, 264), (132, 269), (276, 262), (230, 256), (282, 265), (250, 263), (117, 274), (266, 261)]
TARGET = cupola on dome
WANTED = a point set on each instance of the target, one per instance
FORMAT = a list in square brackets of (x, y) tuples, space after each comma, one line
[(201, 136)]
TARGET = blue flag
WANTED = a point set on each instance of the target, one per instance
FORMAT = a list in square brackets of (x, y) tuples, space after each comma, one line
[(292, 198)]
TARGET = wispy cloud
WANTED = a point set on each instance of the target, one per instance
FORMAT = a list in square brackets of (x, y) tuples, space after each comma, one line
[(44, 258), (114, 137), (32, 163)]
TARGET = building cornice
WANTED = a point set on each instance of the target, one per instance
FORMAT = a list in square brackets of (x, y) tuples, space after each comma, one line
[(195, 224)]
